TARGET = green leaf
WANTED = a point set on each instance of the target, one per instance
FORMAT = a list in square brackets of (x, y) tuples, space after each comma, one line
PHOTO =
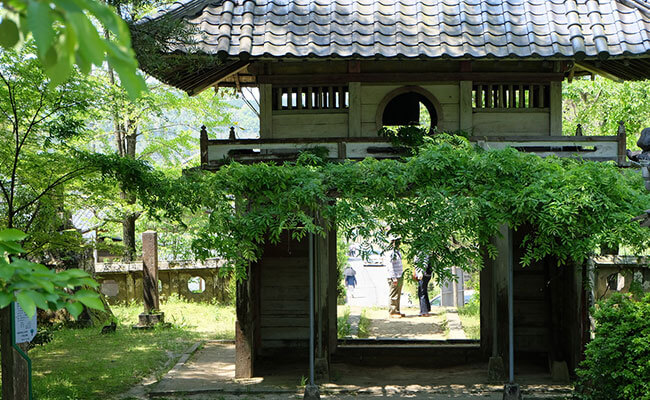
[(51, 57), (74, 273), (60, 70), (11, 248), (74, 308), (91, 46), (9, 34), (12, 235), (26, 303), (24, 264), (6, 272), (39, 22), (89, 299), (39, 300), (5, 299)]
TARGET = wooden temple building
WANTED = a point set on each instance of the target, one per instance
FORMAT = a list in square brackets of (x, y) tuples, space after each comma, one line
[(332, 73)]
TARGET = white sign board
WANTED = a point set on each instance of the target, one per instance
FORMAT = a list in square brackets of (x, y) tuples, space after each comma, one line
[(25, 326)]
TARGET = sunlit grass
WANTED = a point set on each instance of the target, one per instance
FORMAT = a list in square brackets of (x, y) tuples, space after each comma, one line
[(84, 364), (471, 325)]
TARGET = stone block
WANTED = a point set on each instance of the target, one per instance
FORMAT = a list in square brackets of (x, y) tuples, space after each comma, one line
[(511, 391), (151, 319), (496, 370), (321, 370), (560, 372), (311, 392)]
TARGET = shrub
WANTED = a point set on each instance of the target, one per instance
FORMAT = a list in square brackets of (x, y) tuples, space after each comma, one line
[(617, 360), (343, 326)]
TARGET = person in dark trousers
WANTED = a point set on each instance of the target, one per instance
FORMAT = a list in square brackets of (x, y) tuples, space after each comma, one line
[(350, 280), (423, 276)]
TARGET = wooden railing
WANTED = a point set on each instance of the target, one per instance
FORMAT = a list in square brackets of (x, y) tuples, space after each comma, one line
[(215, 153)]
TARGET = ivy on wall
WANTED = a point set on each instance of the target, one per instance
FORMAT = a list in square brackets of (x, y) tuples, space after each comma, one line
[(447, 199)]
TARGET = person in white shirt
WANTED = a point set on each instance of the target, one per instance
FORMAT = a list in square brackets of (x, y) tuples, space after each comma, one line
[(395, 277)]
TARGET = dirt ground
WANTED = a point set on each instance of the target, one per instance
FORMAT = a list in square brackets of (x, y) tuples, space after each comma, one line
[(412, 326)]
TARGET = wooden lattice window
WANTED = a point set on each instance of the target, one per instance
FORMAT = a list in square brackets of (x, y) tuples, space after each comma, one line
[(311, 98), (511, 96)]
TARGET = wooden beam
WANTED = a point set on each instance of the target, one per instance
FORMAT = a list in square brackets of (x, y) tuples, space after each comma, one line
[(411, 77), (214, 77), (597, 71)]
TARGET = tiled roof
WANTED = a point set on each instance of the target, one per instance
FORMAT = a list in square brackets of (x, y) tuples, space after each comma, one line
[(417, 28)]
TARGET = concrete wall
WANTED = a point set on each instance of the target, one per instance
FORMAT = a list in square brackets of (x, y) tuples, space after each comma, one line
[(620, 271), (122, 282)]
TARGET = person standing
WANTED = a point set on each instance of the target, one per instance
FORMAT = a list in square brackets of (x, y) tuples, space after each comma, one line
[(423, 276), (395, 278), (350, 280)]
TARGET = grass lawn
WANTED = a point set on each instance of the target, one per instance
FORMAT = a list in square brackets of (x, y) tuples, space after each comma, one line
[(471, 325), (84, 364)]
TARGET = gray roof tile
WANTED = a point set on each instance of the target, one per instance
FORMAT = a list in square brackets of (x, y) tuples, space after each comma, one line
[(417, 28)]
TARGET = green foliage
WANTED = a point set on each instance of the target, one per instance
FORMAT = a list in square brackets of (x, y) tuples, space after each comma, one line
[(364, 325), (473, 307), (409, 136), (600, 104), (66, 35), (39, 124), (343, 326), (35, 286), (341, 263), (617, 360), (446, 200)]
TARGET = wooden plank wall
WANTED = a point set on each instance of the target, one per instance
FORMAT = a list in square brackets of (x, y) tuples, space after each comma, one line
[(491, 123), (360, 118), (284, 296), (313, 123), (446, 93)]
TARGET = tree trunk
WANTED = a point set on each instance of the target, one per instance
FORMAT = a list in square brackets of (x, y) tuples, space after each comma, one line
[(128, 236), (128, 224)]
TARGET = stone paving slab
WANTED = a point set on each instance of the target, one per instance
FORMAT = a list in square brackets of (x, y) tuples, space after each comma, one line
[(454, 324)]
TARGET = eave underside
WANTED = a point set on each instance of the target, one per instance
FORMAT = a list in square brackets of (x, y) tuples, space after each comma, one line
[(193, 78)]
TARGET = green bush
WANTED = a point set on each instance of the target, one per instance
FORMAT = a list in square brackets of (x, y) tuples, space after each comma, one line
[(617, 360), (473, 306), (343, 326)]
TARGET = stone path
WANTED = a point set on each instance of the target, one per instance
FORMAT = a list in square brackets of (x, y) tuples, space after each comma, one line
[(209, 374), (412, 326), (455, 326)]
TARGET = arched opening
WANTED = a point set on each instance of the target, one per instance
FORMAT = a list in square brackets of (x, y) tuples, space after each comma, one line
[(409, 106), (196, 285)]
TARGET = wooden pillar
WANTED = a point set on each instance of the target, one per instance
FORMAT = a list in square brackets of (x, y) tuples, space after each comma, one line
[(354, 111), (332, 290), (150, 293), (465, 110), (487, 313), (555, 110), (245, 325), (15, 376), (500, 286), (266, 111)]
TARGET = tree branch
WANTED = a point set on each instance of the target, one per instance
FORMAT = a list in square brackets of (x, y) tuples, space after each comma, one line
[(60, 180)]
